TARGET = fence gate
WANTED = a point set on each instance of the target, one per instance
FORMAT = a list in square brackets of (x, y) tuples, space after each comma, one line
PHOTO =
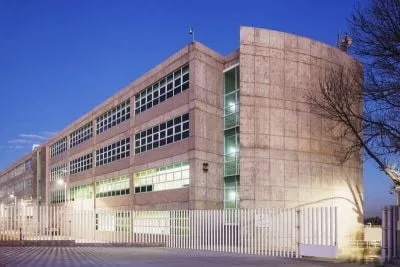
[(273, 232), (390, 233)]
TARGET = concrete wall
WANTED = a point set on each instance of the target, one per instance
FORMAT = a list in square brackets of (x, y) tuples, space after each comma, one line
[(206, 187), (287, 151), (373, 233)]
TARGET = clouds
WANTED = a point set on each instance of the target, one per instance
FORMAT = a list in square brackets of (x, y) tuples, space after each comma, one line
[(20, 141), (27, 140), (34, 136)]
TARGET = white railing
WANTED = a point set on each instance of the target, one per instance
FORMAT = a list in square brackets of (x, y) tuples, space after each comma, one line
[(274, 232), (363, 244)]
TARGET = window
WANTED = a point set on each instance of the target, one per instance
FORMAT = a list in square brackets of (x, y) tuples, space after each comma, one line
[(19, 186), (162, 178), (20, 169), (173, 84), (28, 183), (80, 192), (81, 164), (116, 186), (28, 165), (119, 222), (231, 98), (57, 196), (232, 152), (231, 138), (3, 191), (113, 152), (58, 172), (162, 134), (123, 221), (231, 192), (58, 147), (113, 117), (81, 135), (105, 222)]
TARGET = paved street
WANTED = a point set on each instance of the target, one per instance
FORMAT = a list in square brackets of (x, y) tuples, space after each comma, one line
[(120, 256)]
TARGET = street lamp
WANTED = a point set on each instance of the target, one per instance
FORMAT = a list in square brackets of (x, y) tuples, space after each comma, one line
[(14, 197), (62, 182)]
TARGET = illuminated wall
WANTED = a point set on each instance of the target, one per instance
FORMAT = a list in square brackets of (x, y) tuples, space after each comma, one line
[(287, 152)]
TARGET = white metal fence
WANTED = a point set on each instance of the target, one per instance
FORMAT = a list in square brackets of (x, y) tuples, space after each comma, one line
[(275, 232)]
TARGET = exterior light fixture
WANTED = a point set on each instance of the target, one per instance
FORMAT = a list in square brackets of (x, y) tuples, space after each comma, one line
[(205, 167)]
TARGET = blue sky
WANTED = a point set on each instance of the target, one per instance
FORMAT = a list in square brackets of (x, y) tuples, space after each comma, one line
[(59, 59)]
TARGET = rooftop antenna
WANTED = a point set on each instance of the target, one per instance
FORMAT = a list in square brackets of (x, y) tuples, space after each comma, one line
[(344, 42), (191, 32)]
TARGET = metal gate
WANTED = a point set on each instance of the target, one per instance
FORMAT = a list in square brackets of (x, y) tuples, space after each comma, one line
[(273, 232)]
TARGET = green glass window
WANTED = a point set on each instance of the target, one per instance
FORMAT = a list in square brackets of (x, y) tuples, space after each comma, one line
[(231, 138), (80, 192), (231, 192)]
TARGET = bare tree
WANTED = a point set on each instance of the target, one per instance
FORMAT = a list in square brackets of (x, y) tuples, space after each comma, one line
[(366, 112)]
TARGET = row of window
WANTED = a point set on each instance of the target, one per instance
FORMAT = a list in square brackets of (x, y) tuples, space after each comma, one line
[(165, 133), (80, 192), (163, 178), (231, 138), (118, 222), (81, 164), (113, 117), (20, 169), (58, 147), (81, 135), (160, 135), (113, 152), (58, 172), (18, 187), (158, 179), (57, 196), (116, 186), (172, 84), (107, 120), (105, 155)]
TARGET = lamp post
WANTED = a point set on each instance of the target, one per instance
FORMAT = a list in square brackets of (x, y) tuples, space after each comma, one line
[(62, 182), (14, 197)]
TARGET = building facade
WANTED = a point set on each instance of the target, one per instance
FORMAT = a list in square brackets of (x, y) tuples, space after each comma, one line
[(204, 131)]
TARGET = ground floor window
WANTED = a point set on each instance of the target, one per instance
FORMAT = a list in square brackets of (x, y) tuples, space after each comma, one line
[(116, 186), (81, 192), (57, 196), (110, 222), (231, 192), (163, 178)]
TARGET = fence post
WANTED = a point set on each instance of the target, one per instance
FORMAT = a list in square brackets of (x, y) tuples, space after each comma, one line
[(384, 235), (298, 233)]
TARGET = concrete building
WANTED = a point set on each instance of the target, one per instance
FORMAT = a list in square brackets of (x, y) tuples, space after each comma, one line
[(204, 131)]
